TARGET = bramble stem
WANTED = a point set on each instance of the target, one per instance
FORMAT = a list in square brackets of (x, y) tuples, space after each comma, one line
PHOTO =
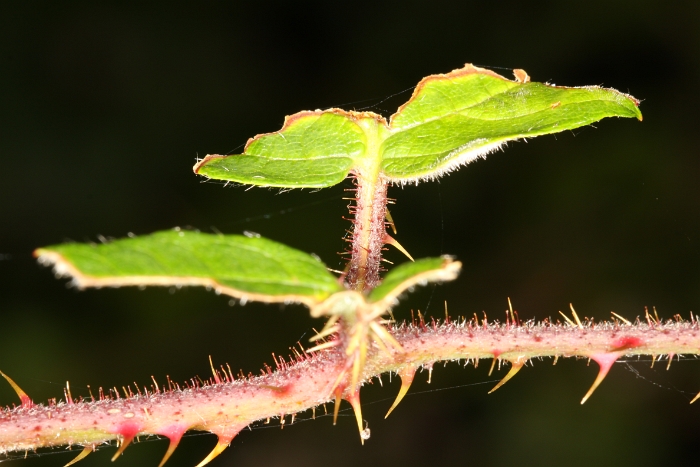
[(225, 405), (369, 211), (368, 233)]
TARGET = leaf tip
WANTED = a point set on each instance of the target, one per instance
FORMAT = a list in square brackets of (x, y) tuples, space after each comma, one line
[(207, 159)]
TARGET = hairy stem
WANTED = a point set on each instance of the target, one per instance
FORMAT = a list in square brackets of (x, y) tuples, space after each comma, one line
[(369, 211), (224, 405), (368, 233)]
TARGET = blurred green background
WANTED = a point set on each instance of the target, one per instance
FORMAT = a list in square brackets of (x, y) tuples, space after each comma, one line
[(107, 105)]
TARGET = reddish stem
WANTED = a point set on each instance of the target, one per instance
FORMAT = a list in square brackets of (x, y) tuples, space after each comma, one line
[(227, 407), (368, 233)]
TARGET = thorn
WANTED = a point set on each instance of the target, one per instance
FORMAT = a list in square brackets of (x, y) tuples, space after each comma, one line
[(515, 368), (605, 361), (325, 345), (354, 400), (571, 323), (670, 359), (406, 374), (125, 444), (391, 241), (384, 336), (648, 316), (695, 398), (213, 371), (512, 317), (573, 312), (83, 454), (493, 364), (626, 321), (328, 329), (23, 397), (390, 220), (69, 397), (218, 449), (338, 392), (174, 434)]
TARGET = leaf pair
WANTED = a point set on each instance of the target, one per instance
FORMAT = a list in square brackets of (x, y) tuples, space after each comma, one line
[(247, 268), (450, 120)]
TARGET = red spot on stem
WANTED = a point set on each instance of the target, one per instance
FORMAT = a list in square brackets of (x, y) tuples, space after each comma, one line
[(624, 343)]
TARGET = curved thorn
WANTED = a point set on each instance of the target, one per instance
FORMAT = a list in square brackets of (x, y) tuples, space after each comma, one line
[(83, 454), (605, 361), (406, 376), (354, 400), (388, 239), (517, 365), (218, 449), (174, 441), (125, 444), (23, 397)]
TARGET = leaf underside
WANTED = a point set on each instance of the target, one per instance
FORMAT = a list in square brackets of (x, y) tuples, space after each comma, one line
[(419, 272), (244, 267), (450, 120)]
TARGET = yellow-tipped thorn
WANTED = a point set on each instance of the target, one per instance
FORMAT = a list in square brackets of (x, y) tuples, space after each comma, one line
[(217, 380), (517, 365), (573, 312), (385, 336), (605, 361), (510, 306), (328, 329), (23, 397), (125, 444), (406, 376), (390, 220), (83, 454), (568, 320), (493, 365), (325, 345), (391, 241), (218, 449), (695, 398), (354, 400), (626, 321), (336, 408), (171, 449)]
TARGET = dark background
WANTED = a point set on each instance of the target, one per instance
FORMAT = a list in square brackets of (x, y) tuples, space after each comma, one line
[(105, 107)]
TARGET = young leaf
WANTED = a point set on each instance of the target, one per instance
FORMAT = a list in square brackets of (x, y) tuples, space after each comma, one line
[(243, 267), (450, 120), (408, 275)]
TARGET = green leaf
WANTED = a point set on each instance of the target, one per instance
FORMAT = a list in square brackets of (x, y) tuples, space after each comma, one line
[(419, 272), (450, 120), (249, 268), (313, 149)]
